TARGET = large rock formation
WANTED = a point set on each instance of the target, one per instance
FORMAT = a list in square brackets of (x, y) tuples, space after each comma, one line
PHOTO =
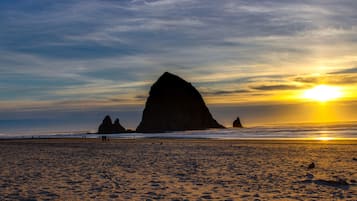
[(175, 105), (107, 127), (237, 123)]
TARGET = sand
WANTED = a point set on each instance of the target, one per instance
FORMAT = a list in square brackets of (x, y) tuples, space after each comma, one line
[(154, 169)]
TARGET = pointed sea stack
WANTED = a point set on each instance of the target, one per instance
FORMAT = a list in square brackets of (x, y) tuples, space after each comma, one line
[(107, 127), (175, 105), (237, 123), (117, 127)]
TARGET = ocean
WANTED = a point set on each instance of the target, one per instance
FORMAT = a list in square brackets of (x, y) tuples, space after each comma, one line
[(279, 132)]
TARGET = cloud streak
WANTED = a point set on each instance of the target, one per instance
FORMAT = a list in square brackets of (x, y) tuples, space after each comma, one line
[(346, 76), (277, 87)]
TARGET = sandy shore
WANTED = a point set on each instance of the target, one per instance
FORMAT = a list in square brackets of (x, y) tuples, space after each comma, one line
[(153, 169)]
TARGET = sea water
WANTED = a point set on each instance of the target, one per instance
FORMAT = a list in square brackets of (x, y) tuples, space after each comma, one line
[(298, 131)]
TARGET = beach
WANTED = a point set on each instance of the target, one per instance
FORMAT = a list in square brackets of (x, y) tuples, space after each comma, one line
[(177, 169)]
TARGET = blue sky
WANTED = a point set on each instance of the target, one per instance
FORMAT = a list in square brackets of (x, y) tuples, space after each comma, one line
[(86, 55)]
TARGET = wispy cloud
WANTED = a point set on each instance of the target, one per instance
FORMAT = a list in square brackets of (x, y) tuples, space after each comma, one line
[(347, 76), (277, 87), (224, 92), (346, 71)]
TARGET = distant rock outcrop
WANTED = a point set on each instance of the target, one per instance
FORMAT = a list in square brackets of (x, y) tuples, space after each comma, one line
[(107, 127), (237, 123), (175, 105), (117, 127)]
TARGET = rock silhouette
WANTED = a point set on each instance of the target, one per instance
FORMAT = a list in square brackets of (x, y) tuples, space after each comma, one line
[(237, 123), (107, 127), (175, 105), (311, 166), (117, 127)]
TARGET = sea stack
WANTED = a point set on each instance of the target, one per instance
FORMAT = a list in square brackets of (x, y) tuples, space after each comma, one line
[(175, 105), (237, 123), (117, 127), (107, 127)]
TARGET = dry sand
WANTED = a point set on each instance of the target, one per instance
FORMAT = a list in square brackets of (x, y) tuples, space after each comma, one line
[(149, 169)]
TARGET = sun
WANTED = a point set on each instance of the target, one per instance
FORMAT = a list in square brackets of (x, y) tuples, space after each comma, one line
[(323, 93)]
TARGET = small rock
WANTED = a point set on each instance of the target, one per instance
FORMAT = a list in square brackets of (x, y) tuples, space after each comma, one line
[(355, 159), (208, 197), (342, 182), (113, 196), (311, 166), (309, 176), (237, 123)]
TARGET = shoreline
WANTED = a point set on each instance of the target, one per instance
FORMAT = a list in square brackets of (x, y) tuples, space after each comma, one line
[(259, 133), (177, 140)]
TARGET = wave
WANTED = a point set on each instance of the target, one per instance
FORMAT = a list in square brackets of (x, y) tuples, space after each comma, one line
[(340, 131)]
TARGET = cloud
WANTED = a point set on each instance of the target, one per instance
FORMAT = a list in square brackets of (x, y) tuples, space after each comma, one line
[(347, 76), (141, 97), (223, 92), (346, 71), (277, 87)]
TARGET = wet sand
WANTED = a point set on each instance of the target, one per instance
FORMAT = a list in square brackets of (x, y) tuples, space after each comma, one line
[(162, 169)]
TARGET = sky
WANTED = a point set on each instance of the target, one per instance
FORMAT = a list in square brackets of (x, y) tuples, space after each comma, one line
[(65, 64)]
